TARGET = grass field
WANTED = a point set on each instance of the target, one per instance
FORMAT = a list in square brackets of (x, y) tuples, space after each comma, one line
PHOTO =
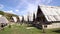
[(21, 29)]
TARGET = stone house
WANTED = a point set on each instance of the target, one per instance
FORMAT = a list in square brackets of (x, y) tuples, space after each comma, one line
[(49, 16)]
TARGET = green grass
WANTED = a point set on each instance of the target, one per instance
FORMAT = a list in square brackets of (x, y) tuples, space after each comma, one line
[(21, 29), (53, 31), (16, 29)]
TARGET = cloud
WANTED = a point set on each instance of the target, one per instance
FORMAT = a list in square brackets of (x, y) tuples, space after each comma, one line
[(10, 11), (1, 6), (49, 1), (32, 3), (30, 9), (17, 10), (22, 3), (31, 6)]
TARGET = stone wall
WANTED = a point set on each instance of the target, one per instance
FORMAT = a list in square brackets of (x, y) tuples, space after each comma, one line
[(53, 25)]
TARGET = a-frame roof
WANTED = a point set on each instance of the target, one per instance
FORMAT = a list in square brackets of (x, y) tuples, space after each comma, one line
[(51, 13), (3, 20)]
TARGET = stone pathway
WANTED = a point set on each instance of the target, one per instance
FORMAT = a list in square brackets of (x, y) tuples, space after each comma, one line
[(29, 27)]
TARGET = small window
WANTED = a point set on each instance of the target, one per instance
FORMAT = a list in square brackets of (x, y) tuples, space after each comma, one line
[(45, 26)]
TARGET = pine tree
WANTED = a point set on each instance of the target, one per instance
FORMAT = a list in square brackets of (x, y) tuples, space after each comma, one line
[(22, 18), (28, 18), (33, 17)]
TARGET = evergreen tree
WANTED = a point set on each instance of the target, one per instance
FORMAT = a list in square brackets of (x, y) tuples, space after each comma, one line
[(33, 17), (22, 18), (28, 18)]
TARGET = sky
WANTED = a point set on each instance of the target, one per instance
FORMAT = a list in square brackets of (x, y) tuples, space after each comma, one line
[(24, 7)]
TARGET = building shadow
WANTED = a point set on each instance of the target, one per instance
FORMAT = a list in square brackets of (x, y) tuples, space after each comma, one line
[(38, 26), (57, 31)]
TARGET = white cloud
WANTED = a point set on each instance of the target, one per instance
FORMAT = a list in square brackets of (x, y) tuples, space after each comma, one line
[(1, 6), (30, 10), (49, 1), (31, 7), (10, 11), (17, 10)]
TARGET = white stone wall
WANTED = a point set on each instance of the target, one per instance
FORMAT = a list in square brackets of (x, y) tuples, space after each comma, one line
[(3, 20), (20, 17), (53, 25), (25, 18), (0, 15), (15, 19)]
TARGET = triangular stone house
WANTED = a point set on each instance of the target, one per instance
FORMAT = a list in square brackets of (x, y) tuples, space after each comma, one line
[(49, 16)]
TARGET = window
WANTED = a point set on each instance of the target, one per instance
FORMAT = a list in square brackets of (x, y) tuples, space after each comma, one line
[(45, 26)]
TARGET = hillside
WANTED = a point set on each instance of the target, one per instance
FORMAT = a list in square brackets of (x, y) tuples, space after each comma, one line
[(7, 15)]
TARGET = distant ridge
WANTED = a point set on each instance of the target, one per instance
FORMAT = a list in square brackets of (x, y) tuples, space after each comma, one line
[(7, 15)]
